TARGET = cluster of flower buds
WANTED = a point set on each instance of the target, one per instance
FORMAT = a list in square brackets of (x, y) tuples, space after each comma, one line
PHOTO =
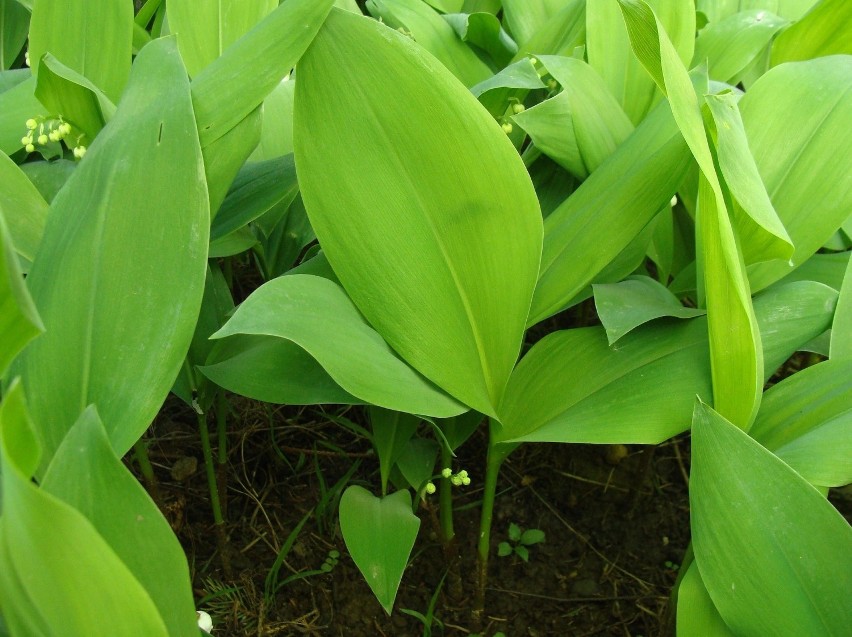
[(458, 479), (49, 130)]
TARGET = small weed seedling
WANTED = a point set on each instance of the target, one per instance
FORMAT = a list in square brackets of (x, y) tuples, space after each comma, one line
[(519, 541)]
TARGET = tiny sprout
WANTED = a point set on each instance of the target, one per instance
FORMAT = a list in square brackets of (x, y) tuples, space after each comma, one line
[(30, 148), (42, 139), (507, 128), (430, 488), (446, 473), (31, 124), (518, 108)]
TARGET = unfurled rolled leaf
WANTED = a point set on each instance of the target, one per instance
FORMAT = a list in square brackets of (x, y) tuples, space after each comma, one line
[(92, 37), (759, 230), (735, 349), (205, 28), (42, 591), (86, 474), (379, 534), (116, 251), (609, 51), (825, 30), (639, 299), (433, 225), (19, 320), (391, 432), (775, 555), (797, 118), (315, 314)]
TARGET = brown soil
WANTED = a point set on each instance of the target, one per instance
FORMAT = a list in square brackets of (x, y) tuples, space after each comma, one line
[(616, 531)]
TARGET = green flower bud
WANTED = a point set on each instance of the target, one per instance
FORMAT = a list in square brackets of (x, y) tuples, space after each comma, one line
[(65, 128), (507, 128), (456, 480), (31, 124), (42, 139), (447, 472), (430, 488), (26, 139), (30, 148), (79, 151), (54, 136), (463, 474), (465, 481), (518, 108)]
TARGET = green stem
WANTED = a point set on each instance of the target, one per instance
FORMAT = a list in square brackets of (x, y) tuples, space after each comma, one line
[(141, 452), (446, 498), (222, 450), (212, 486), (497, 453)]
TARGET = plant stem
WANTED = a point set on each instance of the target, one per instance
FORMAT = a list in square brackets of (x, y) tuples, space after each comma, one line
[(497, 453), (448, 534), (218, 520), (140, 450), (222, 450)]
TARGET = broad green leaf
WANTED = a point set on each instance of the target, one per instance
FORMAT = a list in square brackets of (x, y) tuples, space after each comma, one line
[(116, 251), (14, 24), (609, 50), (573, 387), (484, 30), (446, 6), (526, 17), (36, 531), (379, 534), (828, 269), (841, 330), (805, 420), (257, 187), (316, 314), (637, 300), (696, 614), (716, 10), (276, 136), (580, 127), (775, 555), (224, 157), (86, 474), (10, 79), (440, 247), (205, 28), (561, 35), (434, 34), (417, 461), (92, 37), (730, 45), (825, 30), (797, 120), (789, 316), (19, 320), (617, 201), (513, 81), (48, 176), (272, 370), (18, 104), (81, 103), (735, 349), (233, 243), (489, 6), (23, 207), (759, 228), (224, 94), (391, 432)]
